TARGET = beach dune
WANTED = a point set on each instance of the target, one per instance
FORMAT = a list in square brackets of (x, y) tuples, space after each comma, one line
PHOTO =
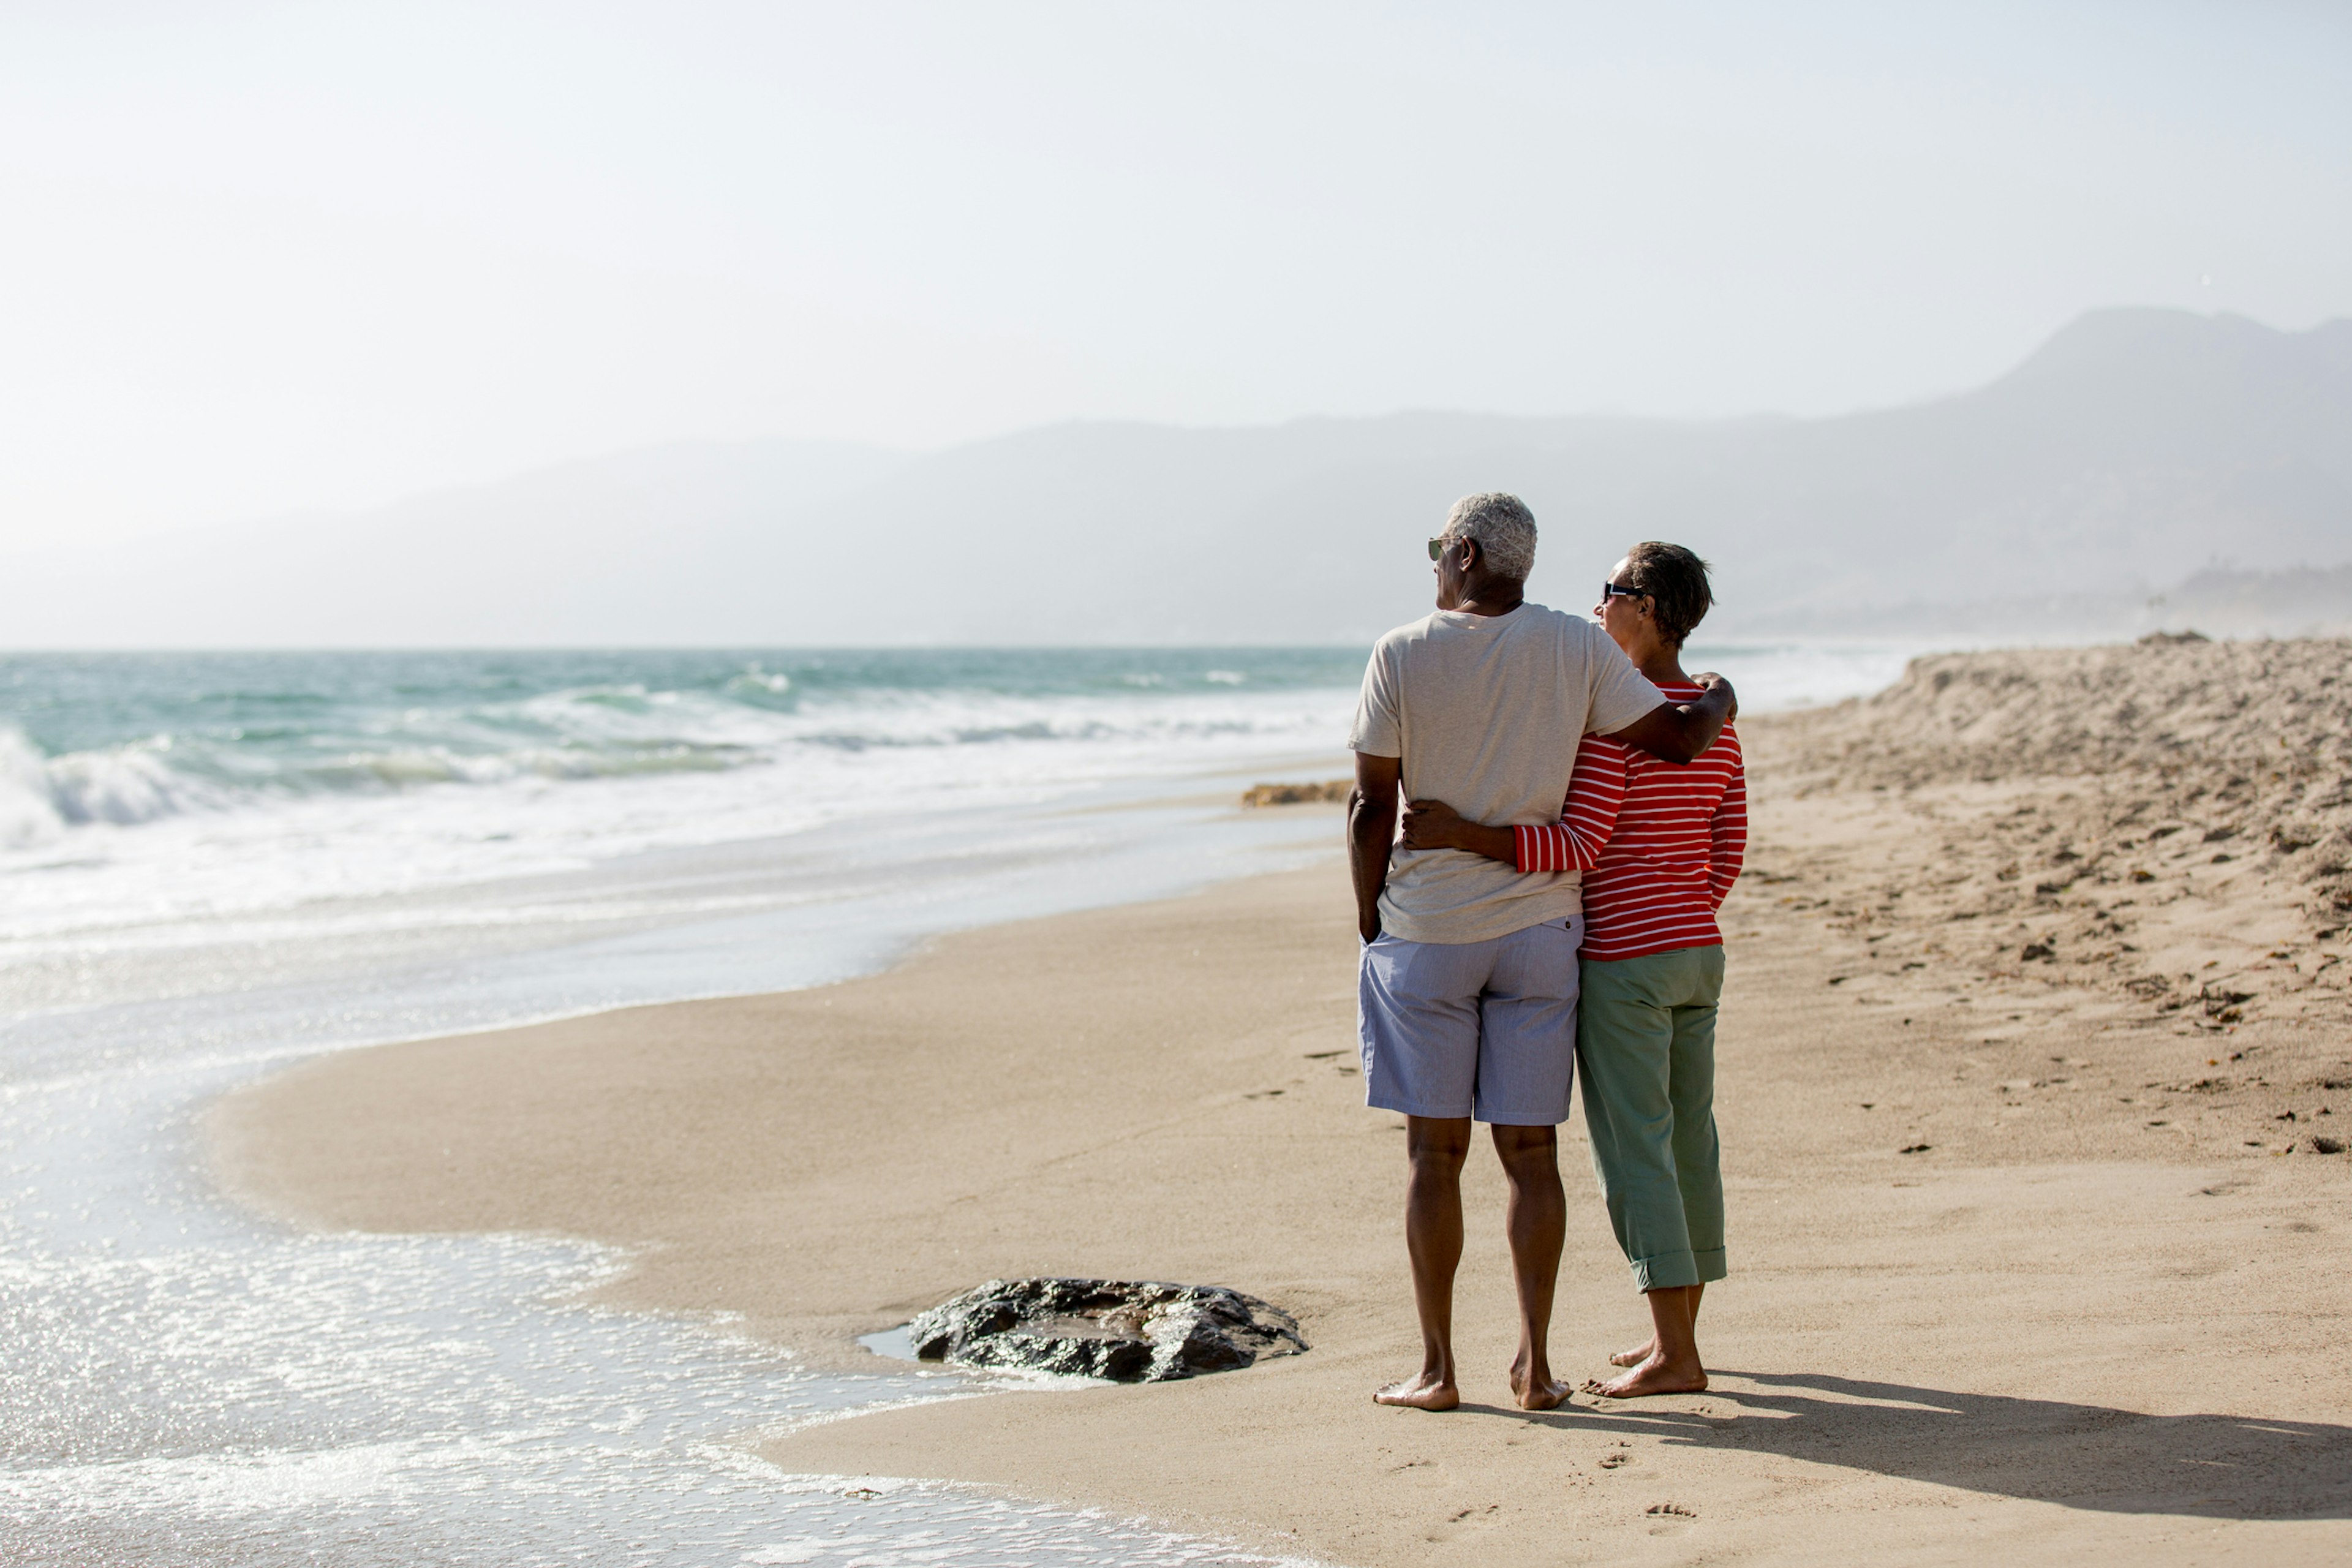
[(2011, 1275)]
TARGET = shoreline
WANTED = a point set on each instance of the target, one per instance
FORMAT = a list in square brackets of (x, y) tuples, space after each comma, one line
[(296, 1146)]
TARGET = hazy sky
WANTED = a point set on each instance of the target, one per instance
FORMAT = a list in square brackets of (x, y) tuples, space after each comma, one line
[(257, 258)]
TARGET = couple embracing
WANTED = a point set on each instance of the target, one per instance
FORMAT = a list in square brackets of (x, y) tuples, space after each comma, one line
[(1573, 811)]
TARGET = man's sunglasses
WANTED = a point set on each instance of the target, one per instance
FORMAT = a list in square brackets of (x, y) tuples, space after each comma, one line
[(1617, 591), (1437, 549)]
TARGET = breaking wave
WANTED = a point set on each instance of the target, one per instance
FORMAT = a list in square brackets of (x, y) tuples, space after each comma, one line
[(140, 785), (351, 735)]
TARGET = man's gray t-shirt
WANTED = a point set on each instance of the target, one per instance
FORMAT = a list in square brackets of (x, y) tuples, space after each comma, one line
[(1487, 711)]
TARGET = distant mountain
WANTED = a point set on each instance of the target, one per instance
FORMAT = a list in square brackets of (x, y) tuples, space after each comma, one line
[(2135, 450), (608, 551)]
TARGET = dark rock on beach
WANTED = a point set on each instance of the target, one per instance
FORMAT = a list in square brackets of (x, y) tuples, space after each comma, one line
[(1130, 1331)]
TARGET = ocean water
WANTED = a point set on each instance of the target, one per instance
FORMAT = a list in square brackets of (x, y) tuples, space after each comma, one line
[(214, 865)]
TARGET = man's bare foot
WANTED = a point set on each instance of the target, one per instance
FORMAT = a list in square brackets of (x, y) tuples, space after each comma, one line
[(1426, 1392), (1637, 1355), (1546, 1392), (1653, 1376)]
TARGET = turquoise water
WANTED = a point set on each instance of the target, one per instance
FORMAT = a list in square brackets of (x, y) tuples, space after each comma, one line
[(158, 786), (126, 738)]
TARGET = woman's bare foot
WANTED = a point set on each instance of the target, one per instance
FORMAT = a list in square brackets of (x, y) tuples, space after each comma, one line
[(1637, 1355), (1546, 1392), (1654, 1376), (1427, 1391)]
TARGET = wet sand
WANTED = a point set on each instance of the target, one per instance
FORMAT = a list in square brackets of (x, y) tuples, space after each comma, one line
[(2099, 1314)]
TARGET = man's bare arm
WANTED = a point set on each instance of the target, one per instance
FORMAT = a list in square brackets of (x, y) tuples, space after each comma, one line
[(1678, 731), (1371, 830)]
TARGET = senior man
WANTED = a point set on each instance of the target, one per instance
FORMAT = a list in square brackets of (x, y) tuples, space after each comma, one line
[(1466, 991)]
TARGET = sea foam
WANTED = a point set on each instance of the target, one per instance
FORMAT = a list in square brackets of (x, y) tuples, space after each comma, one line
[(28, 806)]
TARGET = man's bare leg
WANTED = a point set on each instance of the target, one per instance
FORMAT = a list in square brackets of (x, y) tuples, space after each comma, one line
[(1643, 1350), (1433, 1237), (1537, 1221), (1673, 1366)]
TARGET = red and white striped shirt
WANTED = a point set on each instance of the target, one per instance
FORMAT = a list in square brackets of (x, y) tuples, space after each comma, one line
[(1659, 844)]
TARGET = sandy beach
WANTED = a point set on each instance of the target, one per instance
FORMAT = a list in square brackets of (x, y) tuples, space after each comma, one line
[(2034, 1050)]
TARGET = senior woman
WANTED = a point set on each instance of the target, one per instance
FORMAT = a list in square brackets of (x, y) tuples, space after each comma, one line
[(1660, 846)]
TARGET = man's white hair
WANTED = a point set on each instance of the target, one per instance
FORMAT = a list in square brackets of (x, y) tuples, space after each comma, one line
[(1504, 528)]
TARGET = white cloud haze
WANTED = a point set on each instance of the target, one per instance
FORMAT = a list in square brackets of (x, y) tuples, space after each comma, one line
[(260, 259)]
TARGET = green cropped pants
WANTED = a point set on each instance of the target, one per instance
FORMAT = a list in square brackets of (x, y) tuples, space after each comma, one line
[(1645, 1054)]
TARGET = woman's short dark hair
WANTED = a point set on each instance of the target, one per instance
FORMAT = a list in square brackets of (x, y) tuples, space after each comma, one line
[(1676, 581)]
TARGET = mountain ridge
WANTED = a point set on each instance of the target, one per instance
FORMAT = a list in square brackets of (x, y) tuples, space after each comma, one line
[(2133, 448)]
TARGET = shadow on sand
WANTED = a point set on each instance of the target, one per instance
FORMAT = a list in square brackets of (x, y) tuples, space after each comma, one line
[(2078, 1455)]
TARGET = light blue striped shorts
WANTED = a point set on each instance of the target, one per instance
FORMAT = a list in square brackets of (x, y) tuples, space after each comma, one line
[(1475, 1029)]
